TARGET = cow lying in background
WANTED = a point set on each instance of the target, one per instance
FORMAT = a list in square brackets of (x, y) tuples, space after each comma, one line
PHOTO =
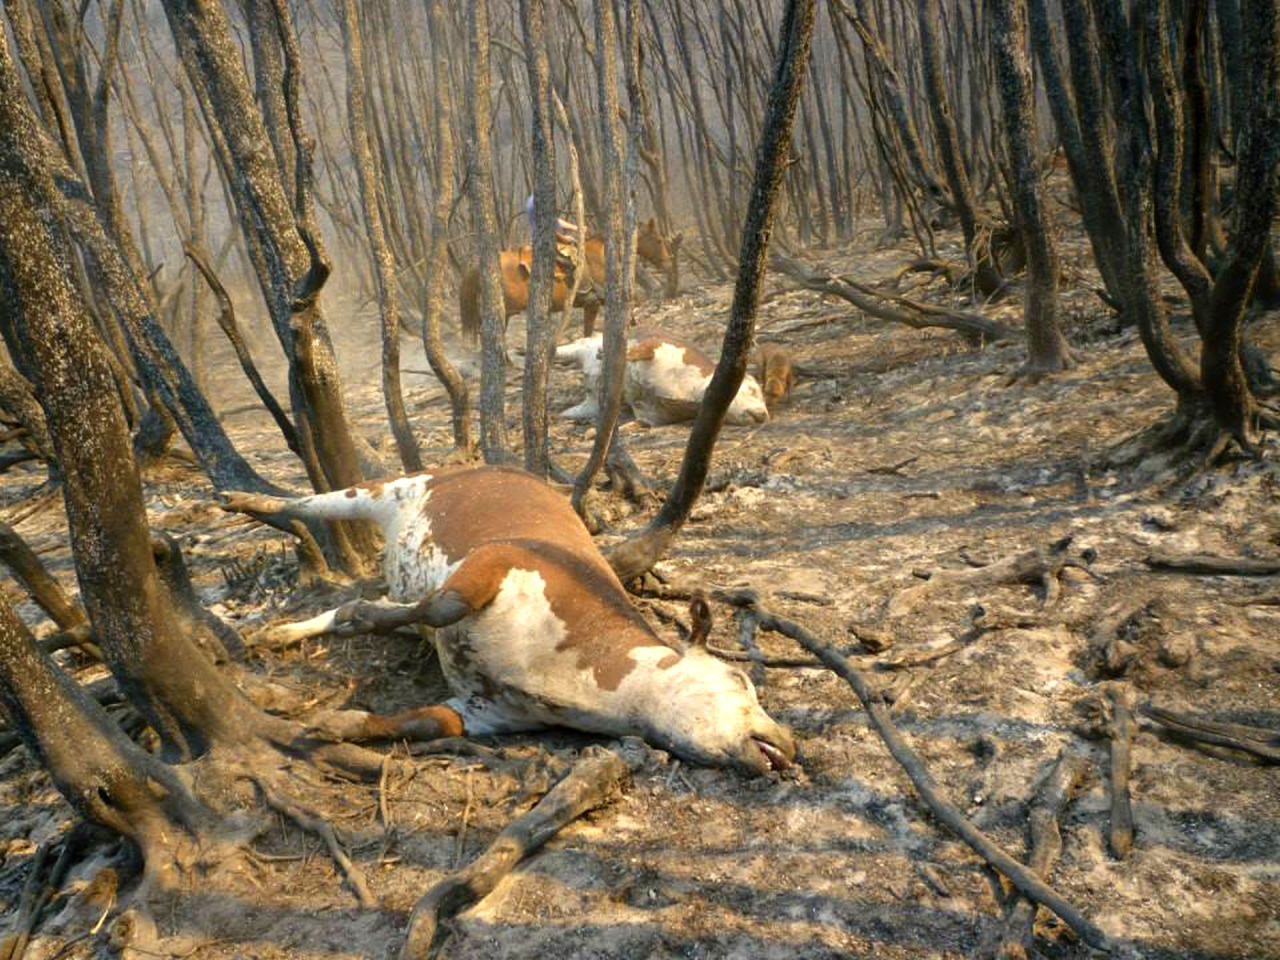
[(532, 627), (665, 380)]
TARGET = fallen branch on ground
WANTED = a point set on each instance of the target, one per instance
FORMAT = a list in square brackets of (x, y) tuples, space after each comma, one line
[(747, 626), (1017, 929), (591, 783), (1024, 879), (921, 657), (1258, 741), (875, 303), (1120, 835), (1211, 566)]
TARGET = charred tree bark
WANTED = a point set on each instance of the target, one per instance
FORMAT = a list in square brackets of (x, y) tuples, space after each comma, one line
[(493, 360), (539, 333), (371, 199), (616, 302), (1170, 129), (1257, 182), (268, 81), (1141, 301), (638, 554), (103, 774), (1087, 161), (438, 256), (1047, 350), (948, 140), (282, 234), (184, 697)]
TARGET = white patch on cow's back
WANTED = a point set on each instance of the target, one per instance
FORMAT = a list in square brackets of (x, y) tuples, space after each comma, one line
[(666, 388), (523, 613), (517, 644), (413, 564)]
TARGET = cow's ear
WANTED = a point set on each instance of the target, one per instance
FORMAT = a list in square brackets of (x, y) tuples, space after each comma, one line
[(700, 621)]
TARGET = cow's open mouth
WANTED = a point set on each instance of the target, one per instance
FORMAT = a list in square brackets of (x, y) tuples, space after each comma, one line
[(776, 758)]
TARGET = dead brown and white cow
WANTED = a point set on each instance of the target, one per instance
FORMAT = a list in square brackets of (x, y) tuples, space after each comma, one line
[(532, 627), (666, 377)]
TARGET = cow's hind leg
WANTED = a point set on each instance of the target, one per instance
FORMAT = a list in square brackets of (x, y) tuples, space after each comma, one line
[(423, 723), (374, 616)]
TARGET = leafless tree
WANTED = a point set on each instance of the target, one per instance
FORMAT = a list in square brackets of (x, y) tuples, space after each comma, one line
[(1047, 350), (638, 554)]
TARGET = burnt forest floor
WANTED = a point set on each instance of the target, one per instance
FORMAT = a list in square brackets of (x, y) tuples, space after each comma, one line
[(903, 454)]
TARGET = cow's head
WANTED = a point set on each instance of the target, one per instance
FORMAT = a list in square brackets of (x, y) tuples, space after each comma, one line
[(709, 711), (748, 407), (654, 248)]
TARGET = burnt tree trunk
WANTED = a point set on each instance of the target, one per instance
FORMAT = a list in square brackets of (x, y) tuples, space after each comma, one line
[(638, 554), (282, 233), (616, 303), (1234, 407), (944, 127), (1087, 161), (493, 360), (438, 256), (1047, 350), (184, 697), (1142, 303), (371, 199), (539, 332), (44, 590), (1170, 129)]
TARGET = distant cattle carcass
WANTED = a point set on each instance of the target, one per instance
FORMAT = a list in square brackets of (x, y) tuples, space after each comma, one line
[(666, 378)]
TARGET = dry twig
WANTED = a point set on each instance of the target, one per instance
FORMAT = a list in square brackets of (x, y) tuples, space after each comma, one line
[(590, 784), (324, 830), (1025, 880), (1017, 928)]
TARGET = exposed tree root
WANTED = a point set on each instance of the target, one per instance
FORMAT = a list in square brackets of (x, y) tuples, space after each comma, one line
[(1185, 445), (592, 782), (1024, 879), (625, 477), (1030, 373), (1257, 741), (29, 906), (1041, 567), (1017, 928), (312, 823)]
